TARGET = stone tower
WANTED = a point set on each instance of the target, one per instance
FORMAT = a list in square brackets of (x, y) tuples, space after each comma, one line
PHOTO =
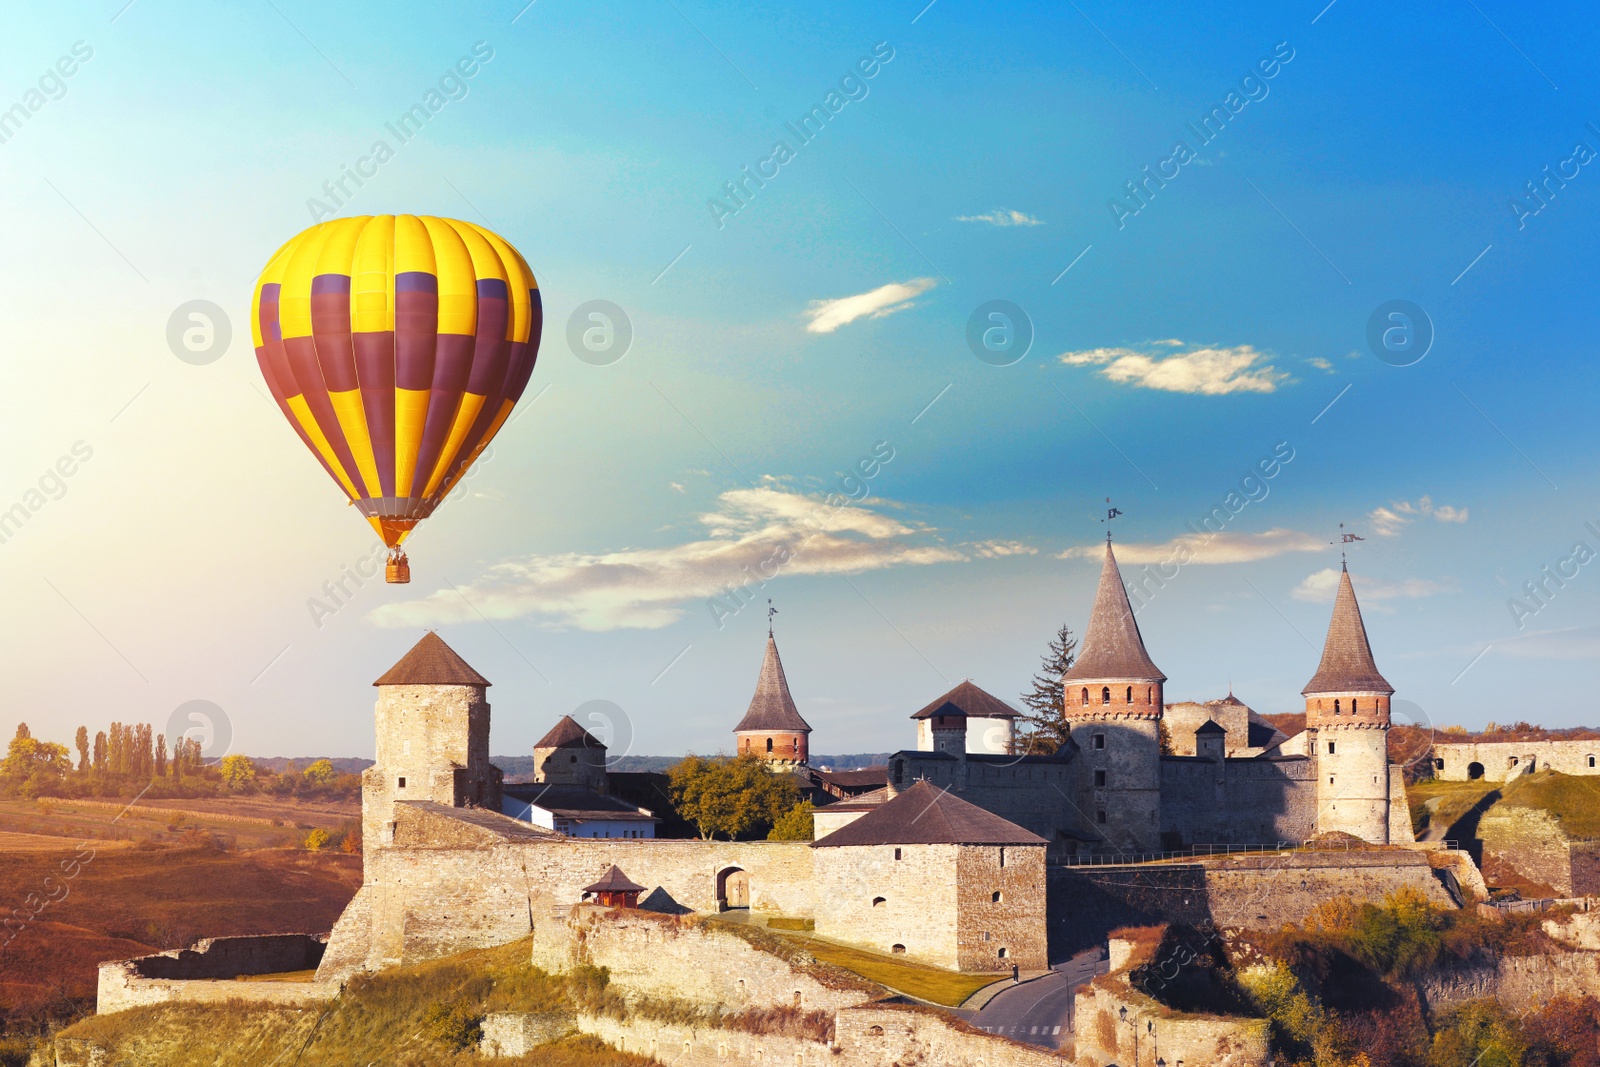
[(1347, 718), (433, 739), (772, 727), (569, 755), (1112, 696)]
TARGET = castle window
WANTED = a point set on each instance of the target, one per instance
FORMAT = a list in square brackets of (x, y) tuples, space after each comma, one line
[(1513, 761), (574, 759), (1002, 857), (1105, 694), (1591, 761), (1002, 953), (1100, 778), (877, 902), (402, 783), (1130, 694), (1336, 707), (898, 950), (1330, 779), (1100, 817), (1086, 694), (769, 744), (1149, 695), (1330, 748), (1354, 705), (1438, 764), (1099, 740), (994, 898), (897, 854)]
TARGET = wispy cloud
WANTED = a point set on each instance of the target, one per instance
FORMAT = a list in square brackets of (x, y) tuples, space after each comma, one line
[(828, 315), (1210, 548), (1321, 364), (999, 549), (1203, 369), (1389, 521), (749, 533), (1321, 587), (1002, 217)]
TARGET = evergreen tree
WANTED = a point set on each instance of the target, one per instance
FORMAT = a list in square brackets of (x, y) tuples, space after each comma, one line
[(1043, 728), (82, 743)]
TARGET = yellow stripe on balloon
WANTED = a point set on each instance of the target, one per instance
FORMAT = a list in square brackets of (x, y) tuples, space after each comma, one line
[(353, 421), (410, 413), (308, 423), (413, 250), (486, 261), (372, 277), (458, 289), (271, 275), (338, 248), (294, 299), (519, 279), (471, 404), (483, 443)]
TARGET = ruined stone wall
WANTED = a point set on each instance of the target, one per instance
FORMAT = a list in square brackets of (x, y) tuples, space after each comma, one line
[(1000, 908), (1452, 759), (1520, 983), (1116, 1024), (208, 973), (1530, 841), (688, 960)]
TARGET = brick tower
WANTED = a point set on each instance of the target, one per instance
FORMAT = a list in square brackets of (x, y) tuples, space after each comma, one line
[(1347, 716), (772, 727), (1112, 696), (433, 739)]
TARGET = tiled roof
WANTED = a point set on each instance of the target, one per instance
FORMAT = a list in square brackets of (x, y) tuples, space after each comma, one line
[(1112, 646), (570, 802), (967, 699), (928, 815), (431, 662), (614, 882), (568, 734), (772, 708), (1347, 665)]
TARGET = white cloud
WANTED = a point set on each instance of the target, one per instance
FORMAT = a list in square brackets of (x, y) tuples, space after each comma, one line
[(828, 315), (1208, 548), (677, 486), (1212, 371), (1321, 586), (998, 549), (748, 534), (1389, 521), (1321, 364), (1002, 217)]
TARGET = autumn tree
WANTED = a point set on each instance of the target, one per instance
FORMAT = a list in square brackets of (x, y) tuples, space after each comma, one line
[(320, 773), (102, 754), (237, 771), (1044, 728), (794, 825), (730, 795), (161, 755), (82, 743)]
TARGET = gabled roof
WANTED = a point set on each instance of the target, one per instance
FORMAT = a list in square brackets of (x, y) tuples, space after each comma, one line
[(1112, 646), (928, 815), (772, 708), (614, 882), (431, 662), (860, 802), (1347, 665), (967, 699), (568, 734), (1210, 726)]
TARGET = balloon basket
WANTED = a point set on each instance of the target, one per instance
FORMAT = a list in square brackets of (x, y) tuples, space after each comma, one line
[(397, 571)]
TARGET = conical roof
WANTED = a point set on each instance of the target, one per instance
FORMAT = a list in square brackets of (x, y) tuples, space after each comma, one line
[(431, 662), (1347, 665), (772, 708), (568, 734), (928, 815), (614, 882), (1112, 646)]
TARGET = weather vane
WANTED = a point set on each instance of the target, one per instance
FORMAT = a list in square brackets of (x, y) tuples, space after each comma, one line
[(1345, 538), (1111, 513), (771, 611)]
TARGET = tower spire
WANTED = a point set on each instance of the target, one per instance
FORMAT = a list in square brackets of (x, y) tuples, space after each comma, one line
[(1347, 665), (1112, 646)]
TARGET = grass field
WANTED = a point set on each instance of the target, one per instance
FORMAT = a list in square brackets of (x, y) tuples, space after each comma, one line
[(1455, 799), (914, 979), (245, 823)]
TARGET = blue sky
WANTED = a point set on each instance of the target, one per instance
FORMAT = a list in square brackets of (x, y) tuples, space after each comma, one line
[(823, 322)]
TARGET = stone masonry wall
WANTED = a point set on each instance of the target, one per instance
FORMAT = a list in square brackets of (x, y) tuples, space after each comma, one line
[(1256, 801), (207, 974), (1016, 922), (867, 896), (1531, 841), (1568, 757), (1116, 1024)]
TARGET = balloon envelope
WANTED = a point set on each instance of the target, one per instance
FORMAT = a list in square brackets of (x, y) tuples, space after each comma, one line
[(396, 346)]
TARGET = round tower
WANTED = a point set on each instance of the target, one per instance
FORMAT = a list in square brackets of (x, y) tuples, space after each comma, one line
[(772, 727), (1347, 717), (1112, 700)]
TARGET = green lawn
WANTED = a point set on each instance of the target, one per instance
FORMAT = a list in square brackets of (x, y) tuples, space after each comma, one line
[(914, 979)]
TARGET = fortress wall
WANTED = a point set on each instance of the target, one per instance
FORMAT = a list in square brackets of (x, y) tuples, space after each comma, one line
[(918, 893), (1568, 757), (1520, 983), (1240, 802), (1104, 1034), (661, 956), (208, 973), (1044, 798), (1532, 842), (1016, 922)]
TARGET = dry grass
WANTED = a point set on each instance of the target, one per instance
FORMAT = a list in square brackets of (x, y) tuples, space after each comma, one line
[(1574, 801), (918, 980)]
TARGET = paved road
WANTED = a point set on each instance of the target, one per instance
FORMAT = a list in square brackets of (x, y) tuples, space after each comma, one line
[(1040, 1012)]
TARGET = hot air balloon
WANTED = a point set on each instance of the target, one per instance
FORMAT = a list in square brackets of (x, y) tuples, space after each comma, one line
[(396, 346)]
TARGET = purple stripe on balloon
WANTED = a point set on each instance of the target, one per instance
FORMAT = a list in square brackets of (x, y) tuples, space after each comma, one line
[(274, 363), (493, 288), (416, 329), (330, 283), (416, 281), (489, 363), (271, 328), (302, 353), (375, 369), (330, 328), (450, 373)]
